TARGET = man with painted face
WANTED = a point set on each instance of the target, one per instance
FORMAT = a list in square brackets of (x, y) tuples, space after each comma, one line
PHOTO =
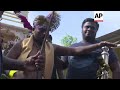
[(8, 63), (30, 46), (86, 66)]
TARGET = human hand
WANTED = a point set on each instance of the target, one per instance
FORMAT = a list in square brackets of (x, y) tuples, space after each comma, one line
[(33, 61), (108, 44)]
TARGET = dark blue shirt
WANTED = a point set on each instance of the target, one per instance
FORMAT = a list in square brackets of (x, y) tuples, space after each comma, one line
[(85, 66)]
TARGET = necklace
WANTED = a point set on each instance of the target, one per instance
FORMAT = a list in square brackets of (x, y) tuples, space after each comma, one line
[(37, 46)]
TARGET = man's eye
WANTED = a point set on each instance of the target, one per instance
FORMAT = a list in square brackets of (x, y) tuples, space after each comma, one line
[(93, 28), (87, 26)]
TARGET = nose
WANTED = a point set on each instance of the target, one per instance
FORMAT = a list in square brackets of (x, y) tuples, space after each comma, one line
[(43, 29), (89, 28)]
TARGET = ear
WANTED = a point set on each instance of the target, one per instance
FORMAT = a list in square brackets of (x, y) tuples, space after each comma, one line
[(33, 26)]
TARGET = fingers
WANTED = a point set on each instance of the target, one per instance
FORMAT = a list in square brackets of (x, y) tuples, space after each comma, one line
[(108, 44), (41, 57), (30, 61), (39, 64), (40, 61), (117, 42), (37, 60), (111, 44), (36, 55)]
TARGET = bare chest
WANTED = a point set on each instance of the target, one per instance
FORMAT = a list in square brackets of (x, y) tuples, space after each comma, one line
[(34, 50)]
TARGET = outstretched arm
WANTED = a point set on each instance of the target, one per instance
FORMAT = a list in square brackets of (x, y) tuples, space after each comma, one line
[(73, 51), (24, 20), (27, 65)]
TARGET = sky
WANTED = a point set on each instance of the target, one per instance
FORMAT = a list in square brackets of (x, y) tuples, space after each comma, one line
[(71, 22)]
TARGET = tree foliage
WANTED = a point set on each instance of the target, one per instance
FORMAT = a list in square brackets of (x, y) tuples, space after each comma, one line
[(68, 40)]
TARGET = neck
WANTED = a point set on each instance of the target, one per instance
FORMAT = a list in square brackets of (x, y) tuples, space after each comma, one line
[(38, 41), (89, 40)]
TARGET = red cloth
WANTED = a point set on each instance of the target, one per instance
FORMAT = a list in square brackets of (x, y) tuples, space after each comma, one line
[(25, 22)]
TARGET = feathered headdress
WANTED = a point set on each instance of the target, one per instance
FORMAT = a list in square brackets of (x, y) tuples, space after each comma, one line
[(55, 20)]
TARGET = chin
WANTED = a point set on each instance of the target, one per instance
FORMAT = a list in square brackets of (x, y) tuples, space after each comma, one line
[(88, 37)]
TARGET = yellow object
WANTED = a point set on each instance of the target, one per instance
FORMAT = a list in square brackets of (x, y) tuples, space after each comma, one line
[(11, 73)]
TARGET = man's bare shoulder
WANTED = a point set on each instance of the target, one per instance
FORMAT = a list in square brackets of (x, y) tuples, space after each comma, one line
[(15, 50), (20, 42)]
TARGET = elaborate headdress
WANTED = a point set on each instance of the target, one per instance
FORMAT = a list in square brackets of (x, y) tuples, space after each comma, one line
[(40, 20), (54, 23)]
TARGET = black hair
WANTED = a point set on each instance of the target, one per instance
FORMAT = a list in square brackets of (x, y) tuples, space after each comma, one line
[(90, 20), (50, 37), (39, 19)]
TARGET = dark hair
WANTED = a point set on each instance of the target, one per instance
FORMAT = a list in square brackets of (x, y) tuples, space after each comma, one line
[(50, 37), (90, 20), (40, 19)]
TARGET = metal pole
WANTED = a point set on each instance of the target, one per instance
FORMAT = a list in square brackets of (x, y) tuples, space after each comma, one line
[(39, 73), (105, 56)]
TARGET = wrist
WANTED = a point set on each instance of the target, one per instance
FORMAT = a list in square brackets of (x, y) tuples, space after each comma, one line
[(99, 45), (24, 66)]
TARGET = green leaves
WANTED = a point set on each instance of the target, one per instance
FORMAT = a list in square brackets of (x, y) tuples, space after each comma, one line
[(68, 40)]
